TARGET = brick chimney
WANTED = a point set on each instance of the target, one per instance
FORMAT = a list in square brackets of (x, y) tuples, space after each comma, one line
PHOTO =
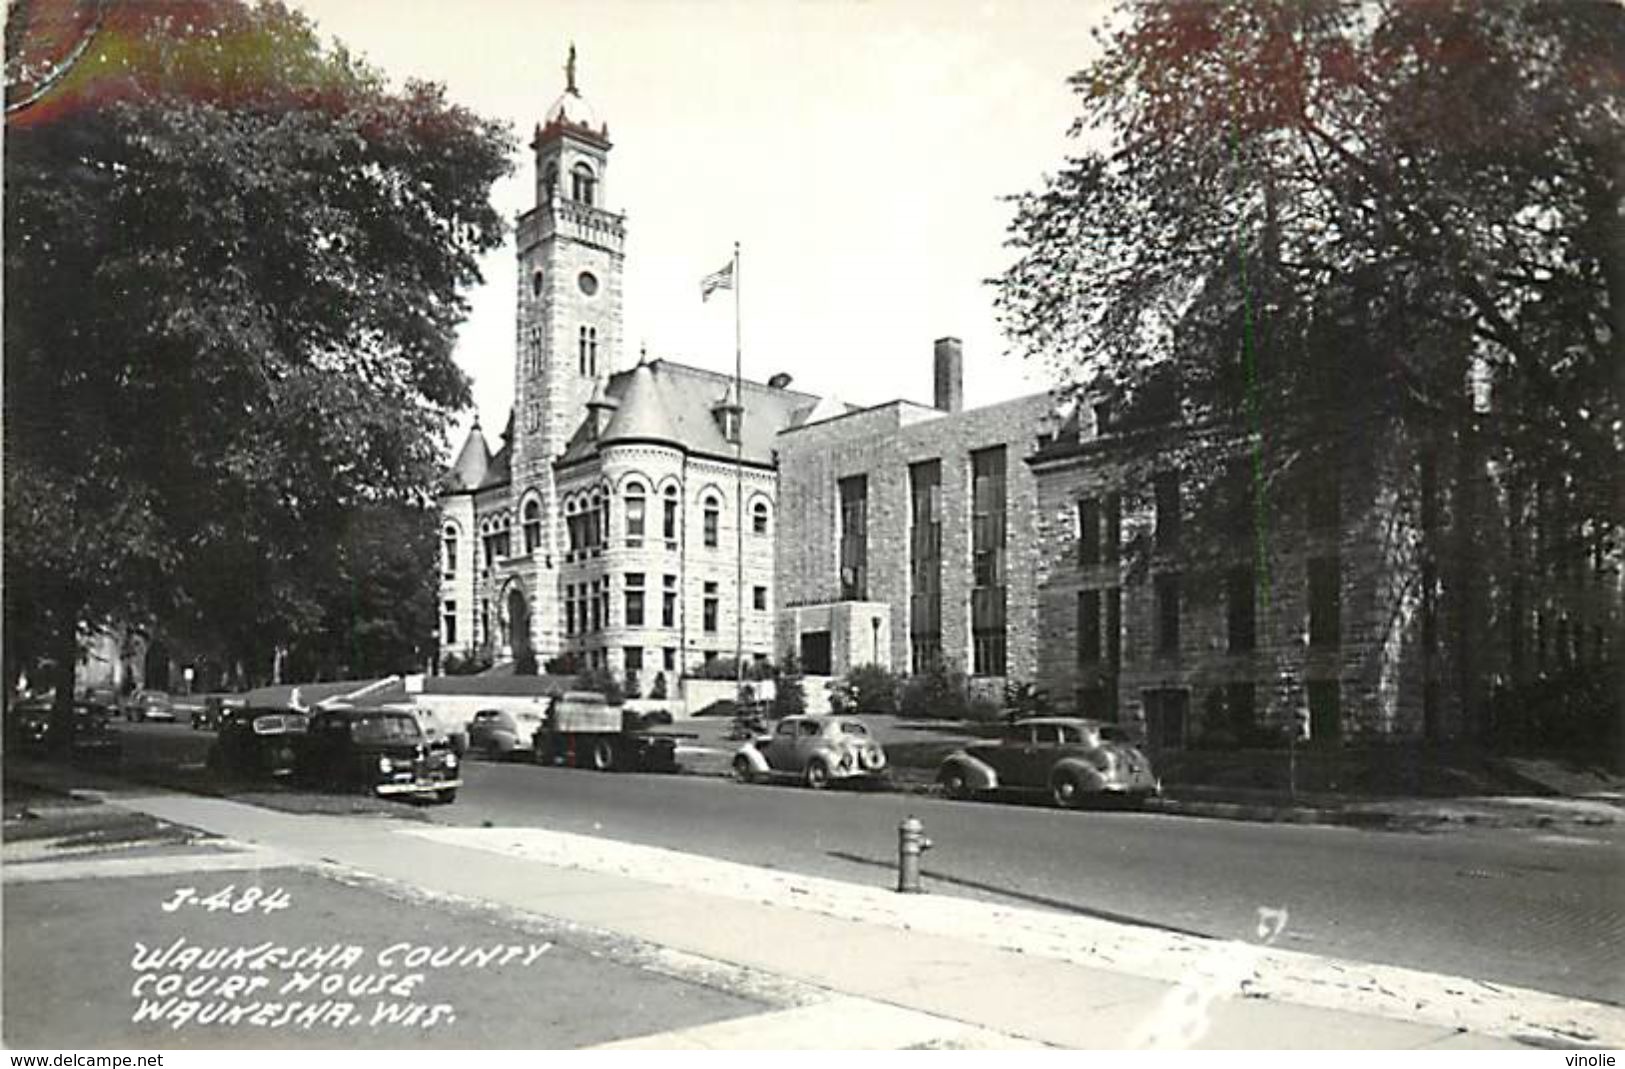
[(950, 374)]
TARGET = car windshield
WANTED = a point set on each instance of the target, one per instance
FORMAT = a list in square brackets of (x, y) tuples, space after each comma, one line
[(1112, 733), (853, 727), (385, 729)]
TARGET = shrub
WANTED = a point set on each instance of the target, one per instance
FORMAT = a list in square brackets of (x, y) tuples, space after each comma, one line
[(868, 688), (458, 665), (565, 664), (983, 709), (1024, 700), (724, 668), (657, 690), (937, 694), (789, 691), (604, 683)]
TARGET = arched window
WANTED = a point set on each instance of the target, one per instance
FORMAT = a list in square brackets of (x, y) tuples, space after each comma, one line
[(533, 526), (713, 517), (758, 518), (583, 184), (448, 546), (595, 519), (670, 526), (634, 513)]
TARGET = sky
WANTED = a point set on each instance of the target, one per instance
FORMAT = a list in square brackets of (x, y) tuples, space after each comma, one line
[(857, 151)]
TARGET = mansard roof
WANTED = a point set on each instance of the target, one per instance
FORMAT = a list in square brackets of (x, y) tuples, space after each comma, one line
[(671, 403)]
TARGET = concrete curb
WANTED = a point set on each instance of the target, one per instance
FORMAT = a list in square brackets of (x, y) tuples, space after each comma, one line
[(1369, 815)]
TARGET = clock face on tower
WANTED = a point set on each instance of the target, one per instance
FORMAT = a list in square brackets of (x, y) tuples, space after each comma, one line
[(588, 283)]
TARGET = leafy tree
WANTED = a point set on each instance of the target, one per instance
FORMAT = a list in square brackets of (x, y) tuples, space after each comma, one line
[(235, 259), (1306, 231), (939, 693)]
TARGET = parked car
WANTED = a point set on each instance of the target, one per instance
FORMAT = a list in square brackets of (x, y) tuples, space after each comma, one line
[(150, 705), (380, 751), (813, 749), (501, 733), (93, 736), (214, 711), (257, 742), (1070, 758)]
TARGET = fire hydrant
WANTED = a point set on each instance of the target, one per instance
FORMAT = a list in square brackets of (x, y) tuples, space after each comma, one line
[(911, 843)]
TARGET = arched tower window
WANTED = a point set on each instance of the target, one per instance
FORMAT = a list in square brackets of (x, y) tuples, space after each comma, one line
[(634, 513), (670, 525), (713, 517), (533, 526), (583, 185), (448, 546), (758, 518)]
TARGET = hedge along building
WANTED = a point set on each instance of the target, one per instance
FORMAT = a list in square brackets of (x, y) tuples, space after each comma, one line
[(605, 527), (907, 534)]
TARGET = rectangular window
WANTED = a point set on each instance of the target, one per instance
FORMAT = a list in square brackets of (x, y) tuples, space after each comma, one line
[(448, 624), (987, 561), (854, 493), (669, 659), (1088, 532), (670, 523), (710, 607), (1114, 632), (597, 618), (1167, 587), (634, 599), (570, 609), (758, 598), (494, 545), (1168, 510), (713, 517), (448, 557), (634, 661), (1113, 513), (668, 603), (1089, 627), (1166, 712), (634, 520), (1239, 609), (1324, 513), (925, 564), (1240, 710), (1325, 712), (1325, 602)]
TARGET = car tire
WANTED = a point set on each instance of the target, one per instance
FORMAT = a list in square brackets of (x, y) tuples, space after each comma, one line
[(744, 772), (446, 797), (954, 785), (1066, 791), (603, 755), (817, 774)]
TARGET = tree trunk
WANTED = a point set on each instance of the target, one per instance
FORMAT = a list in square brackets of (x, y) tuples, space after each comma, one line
[(65, 644)]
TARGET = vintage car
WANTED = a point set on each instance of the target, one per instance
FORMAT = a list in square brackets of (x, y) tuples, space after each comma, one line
[(813, 749), (1071, 759), (501, 733), (261, 742), (379, 751), (150, 705), (214, 711), (438, 728), (93, 736)]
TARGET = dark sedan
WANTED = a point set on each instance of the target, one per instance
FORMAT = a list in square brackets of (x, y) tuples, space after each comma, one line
[(257, 742), (379, 751), (91, 734), (1071, 759)]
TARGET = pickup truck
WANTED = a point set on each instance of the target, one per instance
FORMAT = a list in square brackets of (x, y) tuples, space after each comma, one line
[(582, 730)]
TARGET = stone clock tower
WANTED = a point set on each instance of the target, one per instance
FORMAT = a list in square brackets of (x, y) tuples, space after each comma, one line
[(570, 251)]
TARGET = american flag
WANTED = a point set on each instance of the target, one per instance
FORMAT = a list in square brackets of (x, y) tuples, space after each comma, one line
[(717, 280)]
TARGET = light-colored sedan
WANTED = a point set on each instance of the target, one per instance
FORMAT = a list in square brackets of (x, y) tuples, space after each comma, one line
[(814, 749), (1069, 758), (500, 733)]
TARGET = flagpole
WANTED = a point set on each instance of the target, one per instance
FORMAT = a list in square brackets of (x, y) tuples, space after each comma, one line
[(739, 492)]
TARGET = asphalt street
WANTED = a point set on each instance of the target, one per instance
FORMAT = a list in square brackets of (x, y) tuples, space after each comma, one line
[(1536, 908)]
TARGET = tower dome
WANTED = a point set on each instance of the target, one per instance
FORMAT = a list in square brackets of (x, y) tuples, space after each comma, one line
[(571, 108)]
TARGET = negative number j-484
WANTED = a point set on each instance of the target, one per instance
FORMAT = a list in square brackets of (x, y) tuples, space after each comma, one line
[(229, 899)]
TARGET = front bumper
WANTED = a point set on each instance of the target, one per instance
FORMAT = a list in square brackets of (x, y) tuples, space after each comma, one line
[(417, 786)]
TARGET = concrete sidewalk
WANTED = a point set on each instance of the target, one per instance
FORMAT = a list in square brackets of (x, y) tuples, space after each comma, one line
[(923, 970)]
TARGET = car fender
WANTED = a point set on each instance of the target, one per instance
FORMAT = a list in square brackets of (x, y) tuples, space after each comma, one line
[(979, 775), (758, 763), (1087, 775)]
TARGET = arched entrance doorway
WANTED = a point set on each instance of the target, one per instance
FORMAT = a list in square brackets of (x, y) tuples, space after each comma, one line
[(519, 630)]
